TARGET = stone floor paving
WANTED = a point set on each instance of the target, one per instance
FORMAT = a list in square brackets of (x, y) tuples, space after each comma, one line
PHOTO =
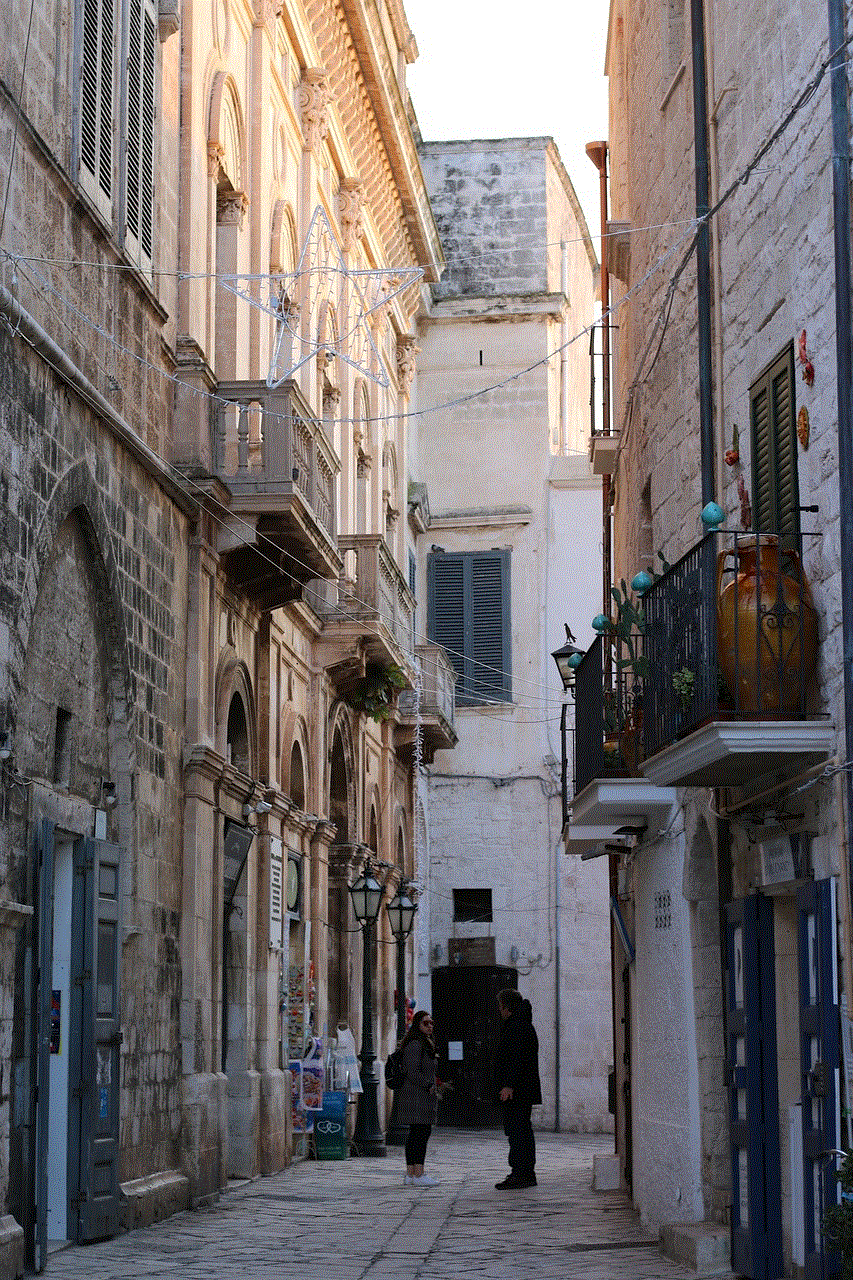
[(354, 1220)]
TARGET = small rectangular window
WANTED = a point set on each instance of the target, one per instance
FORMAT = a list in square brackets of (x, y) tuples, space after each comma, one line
[(62, 747), (472, 905)]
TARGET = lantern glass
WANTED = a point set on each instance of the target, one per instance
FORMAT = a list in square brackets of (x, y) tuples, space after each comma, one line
[(366, 896), (401, 914)]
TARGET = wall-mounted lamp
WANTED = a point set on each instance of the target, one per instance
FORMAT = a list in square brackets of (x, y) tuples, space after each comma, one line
[(568, 658), (108, 798), (262, 806), (5, 744)]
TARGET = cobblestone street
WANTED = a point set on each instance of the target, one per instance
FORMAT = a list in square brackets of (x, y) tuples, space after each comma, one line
[(354, 1220)]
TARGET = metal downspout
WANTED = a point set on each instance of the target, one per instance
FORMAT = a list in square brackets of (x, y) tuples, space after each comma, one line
[(841, 228), (703, 248)]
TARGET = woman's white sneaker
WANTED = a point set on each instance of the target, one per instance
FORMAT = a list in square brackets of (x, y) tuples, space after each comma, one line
[(408, 1180), (424, 1181)]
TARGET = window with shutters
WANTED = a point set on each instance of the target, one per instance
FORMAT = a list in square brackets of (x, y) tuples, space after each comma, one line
[(116, 117), (469, 616), (775, 482)]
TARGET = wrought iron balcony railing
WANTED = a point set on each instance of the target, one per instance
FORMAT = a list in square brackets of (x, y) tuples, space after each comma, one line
[(730, 634), (608, 712)]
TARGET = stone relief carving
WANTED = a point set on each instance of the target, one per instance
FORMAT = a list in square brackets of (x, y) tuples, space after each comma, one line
[(314, 99), (231, 207), (407, 351), (351, 209), (215, 156)]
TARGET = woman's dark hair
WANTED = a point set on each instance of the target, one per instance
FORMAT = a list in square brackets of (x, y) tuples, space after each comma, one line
[(415, 1033), (511, 999)]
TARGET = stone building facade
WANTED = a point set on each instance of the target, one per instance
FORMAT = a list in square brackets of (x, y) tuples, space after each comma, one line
[(740, 858), (200, 572), (505, 464)]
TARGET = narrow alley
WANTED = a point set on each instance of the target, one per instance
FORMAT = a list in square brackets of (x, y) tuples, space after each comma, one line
[(355, 1219)]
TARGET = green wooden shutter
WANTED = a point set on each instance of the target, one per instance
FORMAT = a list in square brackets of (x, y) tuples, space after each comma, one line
[(489, 627), (469, 616), (775, 481), (447, 610)]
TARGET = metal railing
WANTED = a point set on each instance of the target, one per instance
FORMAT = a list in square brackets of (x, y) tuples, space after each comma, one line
[(608, 712), (266, 441), (730, 633)]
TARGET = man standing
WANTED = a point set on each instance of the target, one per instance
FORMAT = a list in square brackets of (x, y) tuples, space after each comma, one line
[(518, 1086)]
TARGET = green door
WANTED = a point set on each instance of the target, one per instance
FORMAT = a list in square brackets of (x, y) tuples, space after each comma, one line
[(96, 1010)]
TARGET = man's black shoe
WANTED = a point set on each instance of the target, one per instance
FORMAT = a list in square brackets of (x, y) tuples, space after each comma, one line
[(514, 1181)]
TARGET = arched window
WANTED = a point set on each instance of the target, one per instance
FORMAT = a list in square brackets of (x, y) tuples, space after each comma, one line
[(297, 777), (237, 737)]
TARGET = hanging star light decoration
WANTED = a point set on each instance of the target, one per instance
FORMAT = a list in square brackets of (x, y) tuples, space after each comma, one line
[(324, 306)]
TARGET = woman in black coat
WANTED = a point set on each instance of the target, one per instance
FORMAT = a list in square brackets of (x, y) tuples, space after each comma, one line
[(518, 1086), (418, 1098)]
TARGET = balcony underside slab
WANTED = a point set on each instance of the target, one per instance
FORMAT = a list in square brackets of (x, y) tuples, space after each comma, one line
[(617, 802), (603, 451), (731, 753), (583, 840)]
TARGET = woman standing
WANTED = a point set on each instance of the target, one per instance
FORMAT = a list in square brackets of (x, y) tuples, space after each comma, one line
[(418, 1101), (518, 1086)]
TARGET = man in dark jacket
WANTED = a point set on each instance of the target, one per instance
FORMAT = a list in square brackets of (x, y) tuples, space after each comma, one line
[(518, 1086)]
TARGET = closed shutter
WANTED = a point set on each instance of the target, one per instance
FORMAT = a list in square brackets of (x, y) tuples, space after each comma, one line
[(97, 89), (469, 616), (775, 481), (447, 611), (489, 627), (139, 192)]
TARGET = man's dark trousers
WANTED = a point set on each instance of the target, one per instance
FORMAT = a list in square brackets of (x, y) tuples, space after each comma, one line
[(519, 1131)]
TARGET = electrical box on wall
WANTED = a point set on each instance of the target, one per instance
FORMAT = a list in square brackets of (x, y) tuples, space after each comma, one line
[(471, 951)]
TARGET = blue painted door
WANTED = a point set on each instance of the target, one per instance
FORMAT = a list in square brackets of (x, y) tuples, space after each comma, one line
[(819, 1067), (753, 1090)]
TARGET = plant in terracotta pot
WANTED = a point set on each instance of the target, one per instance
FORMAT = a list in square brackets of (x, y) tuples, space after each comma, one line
[(376, 692)]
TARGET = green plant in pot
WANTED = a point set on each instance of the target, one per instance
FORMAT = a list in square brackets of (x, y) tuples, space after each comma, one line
[(683, 682), (376, 692)]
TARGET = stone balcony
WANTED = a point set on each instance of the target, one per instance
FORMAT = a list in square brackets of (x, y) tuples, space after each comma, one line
[(279, 470), (371, 617), (436, 716)]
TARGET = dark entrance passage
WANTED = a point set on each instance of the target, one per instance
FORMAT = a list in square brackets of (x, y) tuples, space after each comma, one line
[(464, 1005)]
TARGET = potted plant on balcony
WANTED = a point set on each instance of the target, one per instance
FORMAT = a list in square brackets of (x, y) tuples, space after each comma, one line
[(376, 692)]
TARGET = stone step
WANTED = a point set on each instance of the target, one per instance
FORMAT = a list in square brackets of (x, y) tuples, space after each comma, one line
[(703, 1247)]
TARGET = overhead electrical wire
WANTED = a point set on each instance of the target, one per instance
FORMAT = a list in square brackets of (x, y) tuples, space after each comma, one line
[(663, 316)]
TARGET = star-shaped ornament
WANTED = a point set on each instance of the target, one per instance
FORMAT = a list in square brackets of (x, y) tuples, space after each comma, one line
[(324, 306)]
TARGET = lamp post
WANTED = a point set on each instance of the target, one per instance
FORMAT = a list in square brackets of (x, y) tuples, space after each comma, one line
[(568, 658), (401, 916), (366, 894)]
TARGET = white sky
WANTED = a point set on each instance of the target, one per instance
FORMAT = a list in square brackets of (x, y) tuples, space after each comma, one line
[(501, 70)]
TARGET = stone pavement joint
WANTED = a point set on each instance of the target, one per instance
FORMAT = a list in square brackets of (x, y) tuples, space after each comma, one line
[(354, 1220)]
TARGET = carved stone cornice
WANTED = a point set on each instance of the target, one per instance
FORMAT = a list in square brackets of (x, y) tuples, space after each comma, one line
[(315, 95), (407, 351), (351, 203), (231, 208), (343, 861), (215, 156)]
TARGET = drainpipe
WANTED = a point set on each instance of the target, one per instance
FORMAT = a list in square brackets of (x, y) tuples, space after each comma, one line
[(564, 350), (841, 226), (597, 152), (703, 248)]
